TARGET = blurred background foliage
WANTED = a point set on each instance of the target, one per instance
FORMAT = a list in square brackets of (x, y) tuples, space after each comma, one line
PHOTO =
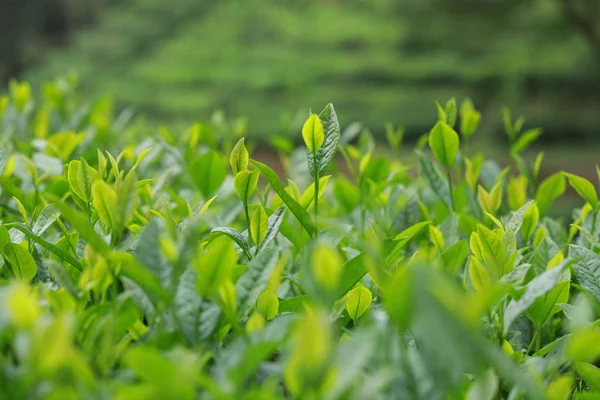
[(378, 61)]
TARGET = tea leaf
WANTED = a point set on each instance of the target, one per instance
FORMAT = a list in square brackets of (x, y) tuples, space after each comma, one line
[(22, 264), (239, 157), (551, 188), (245, 183), (358, 300), (299, 212), (444, 143), (331, 130), (208, 172), (312, 132), (584, 188)]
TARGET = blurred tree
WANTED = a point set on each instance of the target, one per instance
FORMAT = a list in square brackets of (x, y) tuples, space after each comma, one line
[(28, 28), (584, 15), (378, 61)]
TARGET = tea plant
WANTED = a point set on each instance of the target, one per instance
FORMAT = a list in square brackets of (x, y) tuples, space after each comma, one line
[(138, 266)]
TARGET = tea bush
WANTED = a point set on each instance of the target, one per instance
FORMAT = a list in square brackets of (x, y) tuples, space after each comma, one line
[(142, 266)]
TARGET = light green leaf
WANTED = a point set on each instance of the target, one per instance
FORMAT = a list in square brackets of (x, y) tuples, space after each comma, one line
[(589, 373), (308, 197), (585, 189), (347, 194), (22, 264), (312, 133), (525, 140), (444, 143), (358, 301), (331, 129), (267, 305), (451, 112), (208, 172), (104, 200), (551, 188), (259, 225), (214, 266), (239, 157), (245, 183), (299, 212)]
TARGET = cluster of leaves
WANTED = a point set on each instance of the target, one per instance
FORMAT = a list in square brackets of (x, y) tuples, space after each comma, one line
[(153, 273)]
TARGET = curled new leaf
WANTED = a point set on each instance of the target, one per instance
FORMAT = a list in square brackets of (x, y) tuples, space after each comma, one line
[(312, 132)]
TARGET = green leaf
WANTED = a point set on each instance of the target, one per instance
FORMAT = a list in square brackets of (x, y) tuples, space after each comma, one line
[(439, 185), (147, 251), (454, 256), (331, 129), (22, 264), (47, 245), (484, 387), (312, 133), (444, 143), (198, 318), (267, 305), (239, 157), (358, 301), (352, 272), (258, 225), (585, 189), (274, 223), (346, 194), (245, 183), (214, 266), (294, 305), (234, 235), (583, 346), (516, 221), (538, 287), (104, 200), (551, 188), (255, 279), (208, 172), (469, 118), (451, 112), (589, 373), (45, 219), (308, 197), (81, 177), (299, 212), (587, 269), (441, 113), (525, 140), (81, 224)]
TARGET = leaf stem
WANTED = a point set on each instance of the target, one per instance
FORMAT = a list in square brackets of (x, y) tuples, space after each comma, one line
[(449, 175), (249, 226), (316, 176)]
